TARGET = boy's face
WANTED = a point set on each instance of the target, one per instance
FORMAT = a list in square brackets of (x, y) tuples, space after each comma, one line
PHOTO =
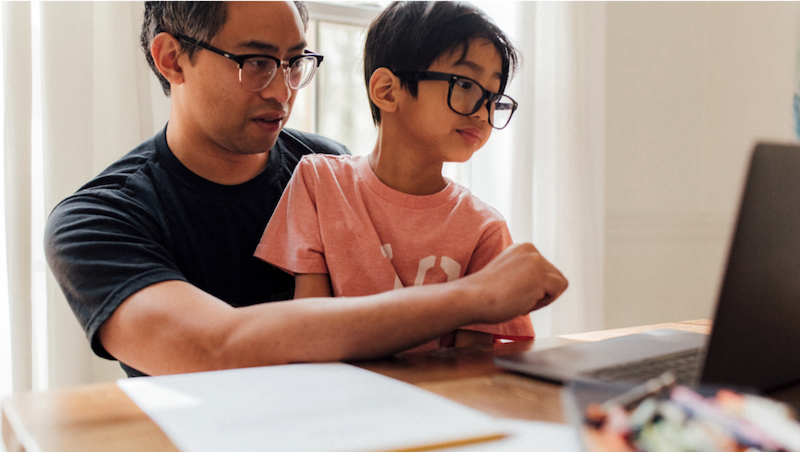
[(447, 135)]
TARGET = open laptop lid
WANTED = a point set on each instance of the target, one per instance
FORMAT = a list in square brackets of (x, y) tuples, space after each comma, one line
[(756, 332)]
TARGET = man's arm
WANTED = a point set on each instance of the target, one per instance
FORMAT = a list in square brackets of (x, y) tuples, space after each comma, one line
[(309, 285), (173, 327)]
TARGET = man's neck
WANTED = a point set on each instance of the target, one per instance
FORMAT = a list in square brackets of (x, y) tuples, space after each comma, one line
[(213, 162)]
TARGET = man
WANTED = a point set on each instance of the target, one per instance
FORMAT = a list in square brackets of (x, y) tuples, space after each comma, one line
[(155, 254)]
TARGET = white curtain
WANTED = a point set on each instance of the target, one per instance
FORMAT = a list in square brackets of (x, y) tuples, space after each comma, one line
[(553, 151), (17, 165), (568, 141), (93, 101)]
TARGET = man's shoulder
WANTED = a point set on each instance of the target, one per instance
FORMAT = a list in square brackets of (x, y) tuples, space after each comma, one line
[(122, 187), (117, 174), (302, 143)]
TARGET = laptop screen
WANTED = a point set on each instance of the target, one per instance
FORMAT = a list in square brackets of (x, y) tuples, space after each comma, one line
[(756, 332)]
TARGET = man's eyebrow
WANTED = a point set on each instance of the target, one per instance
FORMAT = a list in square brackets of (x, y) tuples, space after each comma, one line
[(271, 48)]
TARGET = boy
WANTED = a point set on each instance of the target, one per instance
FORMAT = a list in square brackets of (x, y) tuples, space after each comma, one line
[(350, 226)]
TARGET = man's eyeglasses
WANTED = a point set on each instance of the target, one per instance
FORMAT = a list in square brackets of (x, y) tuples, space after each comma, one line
[(256, 71), (466, 96)]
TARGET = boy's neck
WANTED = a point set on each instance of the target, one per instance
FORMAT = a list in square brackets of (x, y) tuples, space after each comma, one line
[(405, 168)]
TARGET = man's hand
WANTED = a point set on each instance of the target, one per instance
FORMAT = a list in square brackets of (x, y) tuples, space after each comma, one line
[(519, 280)]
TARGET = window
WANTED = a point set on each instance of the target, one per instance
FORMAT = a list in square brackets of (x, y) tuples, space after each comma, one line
[(336, 104)]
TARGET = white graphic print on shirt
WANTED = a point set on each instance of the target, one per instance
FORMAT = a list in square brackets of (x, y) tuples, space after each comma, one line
[(451, 268)]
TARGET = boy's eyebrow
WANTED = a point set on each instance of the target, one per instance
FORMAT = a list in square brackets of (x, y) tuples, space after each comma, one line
[(271, 48), (476, 67)]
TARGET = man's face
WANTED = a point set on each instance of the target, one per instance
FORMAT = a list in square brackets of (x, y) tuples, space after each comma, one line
[(218, 110)]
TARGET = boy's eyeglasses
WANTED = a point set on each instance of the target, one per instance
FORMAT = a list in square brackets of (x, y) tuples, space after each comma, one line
[(257, 71), (466, 96)]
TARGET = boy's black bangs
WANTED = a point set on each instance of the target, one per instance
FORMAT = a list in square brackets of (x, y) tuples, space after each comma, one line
[(445, 27)]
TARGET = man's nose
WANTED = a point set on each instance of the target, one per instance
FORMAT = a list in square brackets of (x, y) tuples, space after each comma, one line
[(278, 87)]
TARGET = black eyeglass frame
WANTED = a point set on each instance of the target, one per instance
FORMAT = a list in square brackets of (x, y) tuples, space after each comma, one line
[(240, 59), (489, 96)]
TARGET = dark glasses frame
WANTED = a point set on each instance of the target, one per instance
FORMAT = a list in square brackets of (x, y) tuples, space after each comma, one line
[(452, 79), (240, 59)]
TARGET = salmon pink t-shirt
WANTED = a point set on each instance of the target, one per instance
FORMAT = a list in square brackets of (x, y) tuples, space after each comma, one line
[(337, 217)]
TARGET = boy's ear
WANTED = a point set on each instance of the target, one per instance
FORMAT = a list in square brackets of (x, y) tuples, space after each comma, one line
[(165, 50), (383, 89)]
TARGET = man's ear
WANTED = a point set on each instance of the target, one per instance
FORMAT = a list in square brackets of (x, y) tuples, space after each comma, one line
[(165, 50), (384, 89)]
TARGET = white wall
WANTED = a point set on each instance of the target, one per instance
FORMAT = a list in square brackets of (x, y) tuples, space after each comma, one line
[(690, 87)]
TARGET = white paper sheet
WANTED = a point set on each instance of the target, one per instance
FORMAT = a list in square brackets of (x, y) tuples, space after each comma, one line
[(530, 436), (302, 407)]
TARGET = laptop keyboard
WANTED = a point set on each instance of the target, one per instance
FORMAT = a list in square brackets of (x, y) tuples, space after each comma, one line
[(684, 365)]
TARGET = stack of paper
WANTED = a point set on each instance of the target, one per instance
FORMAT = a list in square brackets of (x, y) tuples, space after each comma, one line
[(304, 407)]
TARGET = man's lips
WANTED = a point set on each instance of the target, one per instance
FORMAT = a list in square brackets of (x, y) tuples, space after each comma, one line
[(271, 117), (270, 123)]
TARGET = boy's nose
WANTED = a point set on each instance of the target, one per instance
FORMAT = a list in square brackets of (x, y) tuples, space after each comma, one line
[(483, 112)]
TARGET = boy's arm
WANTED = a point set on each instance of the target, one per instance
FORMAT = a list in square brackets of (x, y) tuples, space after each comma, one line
[(495, 238), (308, 285)]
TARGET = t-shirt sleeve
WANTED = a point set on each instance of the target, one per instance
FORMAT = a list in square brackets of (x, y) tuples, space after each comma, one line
[(494, 241), (101, 250), (292, 239)]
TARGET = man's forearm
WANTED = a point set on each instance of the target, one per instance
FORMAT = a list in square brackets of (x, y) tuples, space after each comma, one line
[(174, 327), (332, 329)]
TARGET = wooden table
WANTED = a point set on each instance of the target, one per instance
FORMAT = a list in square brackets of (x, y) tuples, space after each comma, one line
[(100, 417)]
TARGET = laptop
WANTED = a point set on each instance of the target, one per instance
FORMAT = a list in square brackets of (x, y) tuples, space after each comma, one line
[(755, 337)]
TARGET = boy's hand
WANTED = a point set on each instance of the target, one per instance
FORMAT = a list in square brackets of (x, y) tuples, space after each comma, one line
[(519, 280)]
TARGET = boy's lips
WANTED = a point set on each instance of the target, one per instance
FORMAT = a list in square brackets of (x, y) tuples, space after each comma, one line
[(471, 134)]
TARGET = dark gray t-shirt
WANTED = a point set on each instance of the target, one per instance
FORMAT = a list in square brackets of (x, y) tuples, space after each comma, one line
[(148, 219)]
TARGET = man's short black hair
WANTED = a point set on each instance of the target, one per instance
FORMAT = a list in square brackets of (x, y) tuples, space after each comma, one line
[(412, 35), (199, 20)]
